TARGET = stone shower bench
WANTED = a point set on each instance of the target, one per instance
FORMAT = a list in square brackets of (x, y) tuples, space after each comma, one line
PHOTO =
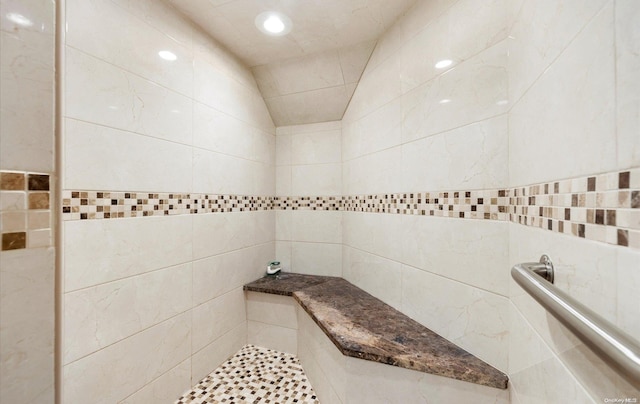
[(362, 326)]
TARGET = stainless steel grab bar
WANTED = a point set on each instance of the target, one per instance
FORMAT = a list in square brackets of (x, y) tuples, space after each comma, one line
[(615, 347)]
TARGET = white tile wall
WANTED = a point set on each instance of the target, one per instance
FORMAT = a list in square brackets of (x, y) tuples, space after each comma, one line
[(27, 276), (309, 163), (121, 369), (102, 315), (136, 122), (27, 335), (584, 72)]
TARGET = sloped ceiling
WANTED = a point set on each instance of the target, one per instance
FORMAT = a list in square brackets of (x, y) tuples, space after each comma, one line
[(310, 74)]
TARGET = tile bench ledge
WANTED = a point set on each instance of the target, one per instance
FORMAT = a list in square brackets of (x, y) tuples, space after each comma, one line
[(362, 326)]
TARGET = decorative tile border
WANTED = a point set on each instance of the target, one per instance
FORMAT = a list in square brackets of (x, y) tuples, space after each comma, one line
[(603, 208), (82, 205), (25, 213)]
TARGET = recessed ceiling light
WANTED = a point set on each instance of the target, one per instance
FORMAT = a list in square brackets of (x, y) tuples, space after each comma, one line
[(19, 19), (167, 55), (444, 63), (273, 23)]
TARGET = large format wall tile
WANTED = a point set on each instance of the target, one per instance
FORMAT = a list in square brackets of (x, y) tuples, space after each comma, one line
[(473, 157), (472, 318), (111, 30), (27, 334), (539, 33), (196, 133), (570, 107), (135, 162), (216, 317), (99, 251), (101, 315), (165, 388), (105, 94), (374, 274), (469, 251), (114, 373), (627, 41)]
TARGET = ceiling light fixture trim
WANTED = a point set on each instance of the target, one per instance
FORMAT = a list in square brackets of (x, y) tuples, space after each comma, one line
[(273, 23)]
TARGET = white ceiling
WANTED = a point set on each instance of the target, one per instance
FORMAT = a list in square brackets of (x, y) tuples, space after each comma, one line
[(308, 75)]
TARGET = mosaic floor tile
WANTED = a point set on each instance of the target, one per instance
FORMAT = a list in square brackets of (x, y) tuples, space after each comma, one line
[(254, 375)]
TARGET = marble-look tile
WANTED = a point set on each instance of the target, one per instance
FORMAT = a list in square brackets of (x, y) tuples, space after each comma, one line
[(354, 59), (112, 27), (373, 173), (98, 251), (417, 18), (283, 148), (376, 131), (469, 251), (39, 15), (627, 14), (316, 376), (99, 316), (213, 52), (317, 226), (219, 274), (472, 318), (223, 174), (464, 30), (470, 157), (99, 92), (594, 375), (309, 128), (216, 317), (584, 269), (208, 358), (376, 275), (375, 233), (316, 179), (549, 120), (374, 382), (297, 75), (272, 309), (272, 337), (316, 147), (547, 381), (283, 181), (539, 33), (628, 284), (129, 364), (316, 258), (321, 105), (315, 348), (27, 332), (27, 80), (284, 224), (283, 254), (218, 90), (219, 132), (165, 388), (161, 16), (377, 87), (163, 167), (472, 91), (526, 347), (215, 234)]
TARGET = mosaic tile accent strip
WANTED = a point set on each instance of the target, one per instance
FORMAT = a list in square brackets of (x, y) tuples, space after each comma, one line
[(254, 375), (604, 208), (25, 210), (81, 205)]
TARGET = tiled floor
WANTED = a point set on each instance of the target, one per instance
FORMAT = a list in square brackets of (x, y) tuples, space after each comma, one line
[(254, 375)]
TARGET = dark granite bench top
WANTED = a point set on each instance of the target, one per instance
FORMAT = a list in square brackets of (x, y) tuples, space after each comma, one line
[(362, 326)]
